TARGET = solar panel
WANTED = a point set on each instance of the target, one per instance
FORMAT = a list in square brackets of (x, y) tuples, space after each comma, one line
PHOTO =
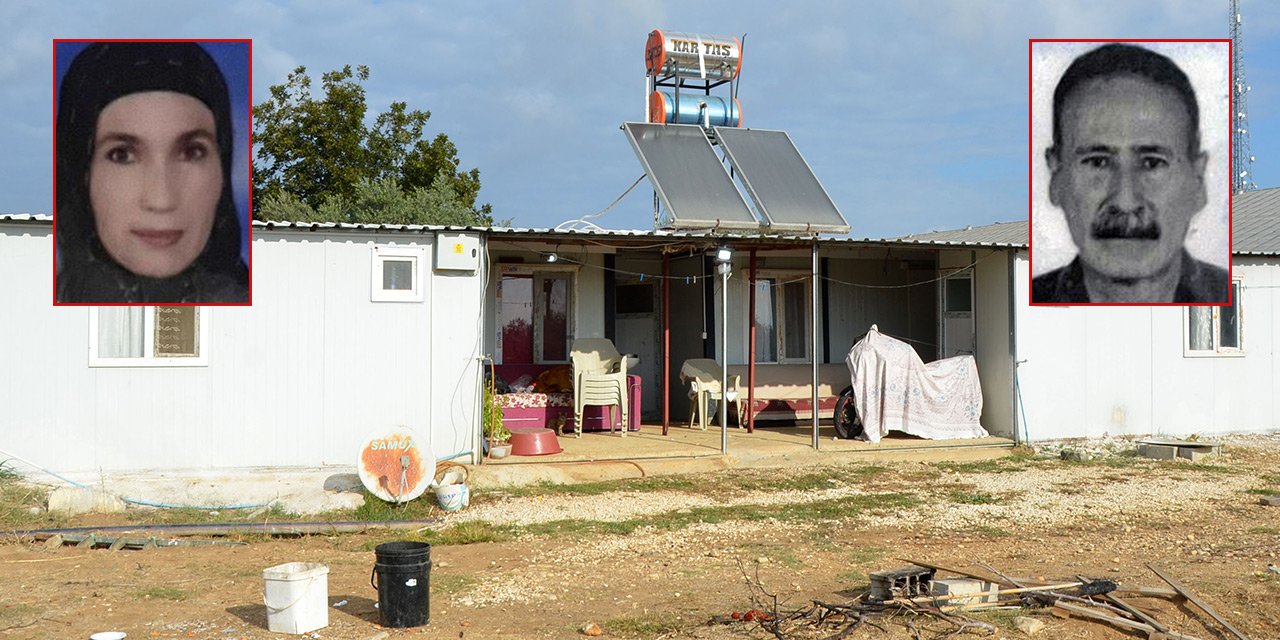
[(780, 182), (689, 177)]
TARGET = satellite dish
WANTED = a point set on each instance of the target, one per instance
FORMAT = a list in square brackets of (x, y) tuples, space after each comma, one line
[(393, 467)]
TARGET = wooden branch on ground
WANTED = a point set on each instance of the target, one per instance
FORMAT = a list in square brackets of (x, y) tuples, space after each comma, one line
[(1152, 592), (1197, 601), (960, 622), (980, 594), (1155, 624), (1016, 583), (1066, 610)]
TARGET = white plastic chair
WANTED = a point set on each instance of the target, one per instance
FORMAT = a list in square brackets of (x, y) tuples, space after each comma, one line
[(703, 377), (599, 379)]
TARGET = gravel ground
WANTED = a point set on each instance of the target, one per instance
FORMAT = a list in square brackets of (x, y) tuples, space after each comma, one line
[(1038, 499), (1037, 517), (1030, 497)]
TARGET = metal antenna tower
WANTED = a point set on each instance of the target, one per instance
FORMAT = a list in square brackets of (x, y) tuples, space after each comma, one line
[(1242, 156)]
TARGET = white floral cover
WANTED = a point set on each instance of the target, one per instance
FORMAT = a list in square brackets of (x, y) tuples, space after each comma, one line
[(894, 389), (534, 400)]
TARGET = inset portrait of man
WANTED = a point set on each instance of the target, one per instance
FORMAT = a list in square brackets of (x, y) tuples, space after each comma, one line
[(1130, 190)]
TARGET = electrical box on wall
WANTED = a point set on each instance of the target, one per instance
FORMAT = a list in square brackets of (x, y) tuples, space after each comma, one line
[(457, 252)]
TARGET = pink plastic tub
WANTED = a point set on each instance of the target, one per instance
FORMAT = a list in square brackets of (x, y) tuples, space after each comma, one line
[(534, 442)]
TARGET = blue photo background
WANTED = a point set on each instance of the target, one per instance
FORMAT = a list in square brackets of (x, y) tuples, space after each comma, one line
[(233, 59)]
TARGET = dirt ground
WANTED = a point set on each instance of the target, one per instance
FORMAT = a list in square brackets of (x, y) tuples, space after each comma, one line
[(660, 558)]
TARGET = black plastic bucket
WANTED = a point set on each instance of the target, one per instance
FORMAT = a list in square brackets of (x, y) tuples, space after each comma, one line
[(402, 576)]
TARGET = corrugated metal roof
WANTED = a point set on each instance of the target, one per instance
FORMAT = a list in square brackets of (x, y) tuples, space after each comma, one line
[(37, 218), (1255, 222), (534, 232), (1255, 229), (1000, 234)]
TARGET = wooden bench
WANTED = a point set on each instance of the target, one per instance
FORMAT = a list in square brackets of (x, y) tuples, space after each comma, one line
[(785, 391), (782, 392)]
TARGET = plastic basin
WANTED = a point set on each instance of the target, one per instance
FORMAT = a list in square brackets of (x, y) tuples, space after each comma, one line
[(534, 442)]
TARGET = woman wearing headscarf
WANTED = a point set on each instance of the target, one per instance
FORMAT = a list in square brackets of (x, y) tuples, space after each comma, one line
[(144, 206)]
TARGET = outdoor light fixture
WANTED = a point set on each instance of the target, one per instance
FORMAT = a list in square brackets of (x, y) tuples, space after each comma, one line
[(724, 257), (551, 257), (724, 266)]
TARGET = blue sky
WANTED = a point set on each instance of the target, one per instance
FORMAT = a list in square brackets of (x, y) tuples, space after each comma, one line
[(913, 114)]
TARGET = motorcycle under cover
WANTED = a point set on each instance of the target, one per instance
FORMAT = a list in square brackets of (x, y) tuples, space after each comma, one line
[(895, 390)]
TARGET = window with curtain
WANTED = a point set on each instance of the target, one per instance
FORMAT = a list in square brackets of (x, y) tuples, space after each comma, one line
[(783, 318), (1215, 330), (148, 336), (766, 327), (535, 314)]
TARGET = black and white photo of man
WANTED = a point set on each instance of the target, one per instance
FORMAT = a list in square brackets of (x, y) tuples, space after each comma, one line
[(1132, 171)]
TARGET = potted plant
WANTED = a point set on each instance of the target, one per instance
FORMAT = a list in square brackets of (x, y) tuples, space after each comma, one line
[(496, 433)]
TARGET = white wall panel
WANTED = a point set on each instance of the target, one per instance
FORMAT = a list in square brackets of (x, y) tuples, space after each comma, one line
[(589, 308), (297, 379), (895, 311), (46, 388), (456, 344), (1093, 371), (993, 351)]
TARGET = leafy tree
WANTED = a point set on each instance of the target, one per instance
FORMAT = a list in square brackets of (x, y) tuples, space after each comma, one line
[(378, 201), (318, 161)]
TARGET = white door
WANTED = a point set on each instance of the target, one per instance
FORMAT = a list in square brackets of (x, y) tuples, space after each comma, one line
[(957, 314), (637, 328)]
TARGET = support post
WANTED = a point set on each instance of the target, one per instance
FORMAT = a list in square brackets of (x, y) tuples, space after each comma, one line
[(751, 349), (724, 358), (813, 338), (666, 342)]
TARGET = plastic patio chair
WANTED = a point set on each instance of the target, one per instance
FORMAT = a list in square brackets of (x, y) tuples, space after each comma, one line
[(599, 379), (703, 377)]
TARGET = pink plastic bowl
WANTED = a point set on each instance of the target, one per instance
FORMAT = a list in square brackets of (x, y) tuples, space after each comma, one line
[(534, 442)]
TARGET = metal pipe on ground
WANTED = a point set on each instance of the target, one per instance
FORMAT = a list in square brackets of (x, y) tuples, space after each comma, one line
[(279, 529)]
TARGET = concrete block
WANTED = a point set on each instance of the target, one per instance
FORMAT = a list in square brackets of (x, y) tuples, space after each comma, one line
[(981, 591), (908, 581), (1195, 454), (1270, 501), (73, 500), (1157, 451)]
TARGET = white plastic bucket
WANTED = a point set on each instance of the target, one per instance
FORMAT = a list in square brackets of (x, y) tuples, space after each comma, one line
[(297, 597), (453, 496)]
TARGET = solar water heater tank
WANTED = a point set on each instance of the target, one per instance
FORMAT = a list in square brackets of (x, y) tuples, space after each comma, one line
[(692, 55)]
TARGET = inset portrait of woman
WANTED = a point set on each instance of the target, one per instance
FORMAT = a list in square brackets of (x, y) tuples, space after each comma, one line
[(145, 210)]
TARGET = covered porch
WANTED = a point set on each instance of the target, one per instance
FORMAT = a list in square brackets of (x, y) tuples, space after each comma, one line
[(788, 302), (603, 456)]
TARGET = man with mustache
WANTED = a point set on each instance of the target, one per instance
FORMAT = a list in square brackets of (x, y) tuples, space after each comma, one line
[(1127, 169)]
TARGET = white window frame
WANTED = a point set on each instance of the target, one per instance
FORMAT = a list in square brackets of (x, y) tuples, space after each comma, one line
[(963, 274), (149, 359), (1218, 351), (381, 254), (779, 277), (538, 273)]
